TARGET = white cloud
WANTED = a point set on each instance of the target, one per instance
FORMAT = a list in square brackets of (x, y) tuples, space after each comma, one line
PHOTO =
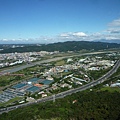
[(115, 23), (4, 39), (73, 34), (114, 27), (64, 35), (114, 30), (79, 34)]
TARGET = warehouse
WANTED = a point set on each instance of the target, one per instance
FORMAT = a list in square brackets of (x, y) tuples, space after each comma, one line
[(33, 89)]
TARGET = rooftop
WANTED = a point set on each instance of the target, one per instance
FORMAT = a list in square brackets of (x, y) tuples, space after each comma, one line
[(20, 85), (33, 89), (34, 79), (38, 85), (47, 82)]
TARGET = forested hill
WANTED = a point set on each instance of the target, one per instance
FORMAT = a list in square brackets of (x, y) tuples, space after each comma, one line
[(64, 46), (79, 106)]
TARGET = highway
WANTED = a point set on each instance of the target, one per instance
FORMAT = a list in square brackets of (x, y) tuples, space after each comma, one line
[(69, 92), (15, 69)]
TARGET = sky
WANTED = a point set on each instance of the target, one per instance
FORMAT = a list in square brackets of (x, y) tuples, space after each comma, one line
[(49, 21)]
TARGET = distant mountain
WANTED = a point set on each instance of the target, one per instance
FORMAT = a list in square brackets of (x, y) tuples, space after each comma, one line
[(63, 47), (108, 41)]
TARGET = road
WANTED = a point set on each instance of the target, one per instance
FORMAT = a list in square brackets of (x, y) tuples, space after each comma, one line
[(15, 69), (69, 92)]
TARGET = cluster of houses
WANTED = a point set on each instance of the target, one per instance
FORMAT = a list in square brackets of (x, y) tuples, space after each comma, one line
[(114, 84), (71, 80), (86, 64), (10, 59)]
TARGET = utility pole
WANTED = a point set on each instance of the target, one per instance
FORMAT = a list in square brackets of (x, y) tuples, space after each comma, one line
[(53, 98)]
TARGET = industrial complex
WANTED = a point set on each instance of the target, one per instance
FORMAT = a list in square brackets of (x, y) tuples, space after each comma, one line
[(19, 90)]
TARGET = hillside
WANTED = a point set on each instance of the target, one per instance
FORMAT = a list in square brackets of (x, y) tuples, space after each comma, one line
[(63, 47), (80, 106)]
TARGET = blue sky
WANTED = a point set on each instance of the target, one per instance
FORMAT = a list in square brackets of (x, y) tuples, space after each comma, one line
[(59, 20)]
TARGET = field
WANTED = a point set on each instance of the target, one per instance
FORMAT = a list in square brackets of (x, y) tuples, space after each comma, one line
[(111, 89), (59, 63)]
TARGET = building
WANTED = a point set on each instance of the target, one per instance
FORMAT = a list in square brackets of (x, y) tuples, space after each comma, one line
[(21, 86), (46, 82), (34, 80), (33, 89)]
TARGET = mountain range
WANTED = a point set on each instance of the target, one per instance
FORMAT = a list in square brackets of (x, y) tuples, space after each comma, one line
[(108, 41), (30, 41), (60, 46)]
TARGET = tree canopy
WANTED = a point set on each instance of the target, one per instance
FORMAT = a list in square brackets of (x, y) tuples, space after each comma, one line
[(79, 106)]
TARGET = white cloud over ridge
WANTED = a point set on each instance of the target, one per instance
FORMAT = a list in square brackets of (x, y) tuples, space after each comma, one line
[(66, 37), (111, 33)]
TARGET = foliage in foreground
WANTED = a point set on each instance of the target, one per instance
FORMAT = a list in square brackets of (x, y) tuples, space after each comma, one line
[(88, 106)]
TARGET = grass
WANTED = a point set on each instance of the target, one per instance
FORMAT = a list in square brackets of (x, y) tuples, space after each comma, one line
[(61, 62), (111, 89), (9, 80)]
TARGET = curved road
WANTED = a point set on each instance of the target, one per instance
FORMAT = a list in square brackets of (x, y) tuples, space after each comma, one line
[(69, 92)]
